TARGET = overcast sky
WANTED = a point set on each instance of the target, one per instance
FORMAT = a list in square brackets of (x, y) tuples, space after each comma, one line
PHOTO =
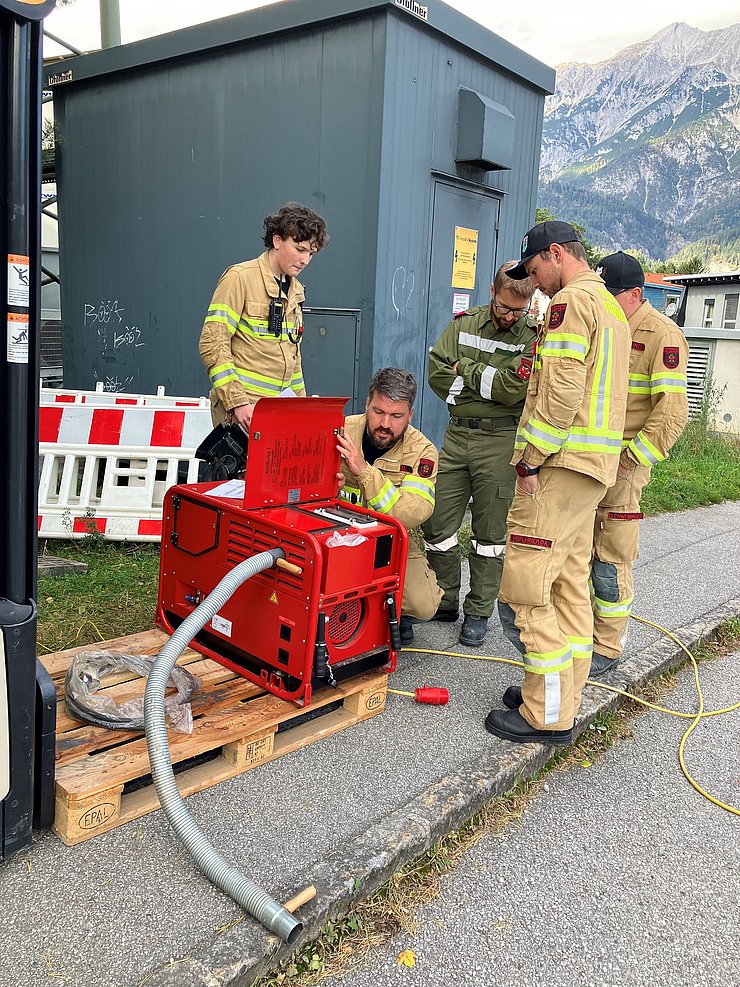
[(554, 31)]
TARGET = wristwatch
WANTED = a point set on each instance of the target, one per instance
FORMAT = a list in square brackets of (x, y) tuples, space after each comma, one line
[(524, 470)]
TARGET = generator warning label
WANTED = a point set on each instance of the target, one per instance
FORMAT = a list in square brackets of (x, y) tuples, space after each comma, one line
[(274, 598), (19, 280), (221, 625)]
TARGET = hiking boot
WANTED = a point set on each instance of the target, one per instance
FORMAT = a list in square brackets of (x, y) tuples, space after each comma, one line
[(473, 631), (509, 724)]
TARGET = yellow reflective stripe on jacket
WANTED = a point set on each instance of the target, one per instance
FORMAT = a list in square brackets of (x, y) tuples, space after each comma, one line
[(547, 662), (613, 307), (585, 439), (259, 383), (420, 486), (296, 381), (547, 438), (259, 329), (222, 374), (385, 498), (598, 411), (667, 383), (639, 384), (223, 314), (644, 451), (565, 344)]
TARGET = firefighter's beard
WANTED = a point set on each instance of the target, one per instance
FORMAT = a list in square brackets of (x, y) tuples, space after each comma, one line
[(384, 438)]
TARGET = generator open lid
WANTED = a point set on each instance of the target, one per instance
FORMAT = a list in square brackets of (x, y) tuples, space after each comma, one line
[(293, 456)]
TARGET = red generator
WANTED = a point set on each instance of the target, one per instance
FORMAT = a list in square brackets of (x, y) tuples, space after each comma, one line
[(325, 612)]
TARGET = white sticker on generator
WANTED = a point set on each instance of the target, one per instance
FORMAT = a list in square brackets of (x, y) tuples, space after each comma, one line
[(19, 280), (17, 351), (221, 625)]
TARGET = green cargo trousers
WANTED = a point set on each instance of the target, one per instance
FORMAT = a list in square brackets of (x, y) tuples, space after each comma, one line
[(474, 462)]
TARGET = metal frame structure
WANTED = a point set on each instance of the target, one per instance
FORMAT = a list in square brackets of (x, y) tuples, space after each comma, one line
[(26, 742)]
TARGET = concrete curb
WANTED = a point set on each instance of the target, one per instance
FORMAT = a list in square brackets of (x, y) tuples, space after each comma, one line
[(238, 956)]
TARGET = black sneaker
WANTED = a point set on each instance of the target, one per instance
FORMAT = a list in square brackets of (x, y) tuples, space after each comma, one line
[(446, 616), (473, 631), (601, 664), (509, 724), (406, 629)]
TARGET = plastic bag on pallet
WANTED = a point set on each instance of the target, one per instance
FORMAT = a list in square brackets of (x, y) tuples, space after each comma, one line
[(84, 678)]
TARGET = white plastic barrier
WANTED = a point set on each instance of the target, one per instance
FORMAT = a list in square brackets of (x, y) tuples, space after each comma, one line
[(108, 468), (106, 399)]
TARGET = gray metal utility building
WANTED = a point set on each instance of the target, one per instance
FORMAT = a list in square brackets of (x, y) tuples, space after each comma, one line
[(414, 132)]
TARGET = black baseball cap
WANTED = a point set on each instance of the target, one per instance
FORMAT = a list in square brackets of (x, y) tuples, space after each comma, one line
[(539, 238), (621, 272)]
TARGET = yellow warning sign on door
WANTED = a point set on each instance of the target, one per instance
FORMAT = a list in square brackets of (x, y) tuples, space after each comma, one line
[(463, 262), (273, 598)]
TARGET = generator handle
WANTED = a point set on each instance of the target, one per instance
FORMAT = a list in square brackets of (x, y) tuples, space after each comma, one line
[(289, 567), (393, 623)]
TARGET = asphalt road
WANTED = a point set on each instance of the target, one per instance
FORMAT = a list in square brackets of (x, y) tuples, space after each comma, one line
[(619, 874), (342, 813)]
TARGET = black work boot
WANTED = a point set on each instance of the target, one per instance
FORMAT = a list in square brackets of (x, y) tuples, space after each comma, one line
[(509, 724), (473, 631), (406, 628), (446, 616), (601, 664), (512, 698)]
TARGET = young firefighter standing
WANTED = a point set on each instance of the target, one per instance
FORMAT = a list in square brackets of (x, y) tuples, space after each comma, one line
[(250, 342), (657, 412), (480, 366), (566, 455)]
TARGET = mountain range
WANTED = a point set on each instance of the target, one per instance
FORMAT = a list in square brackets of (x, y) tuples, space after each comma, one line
[(643, 149)]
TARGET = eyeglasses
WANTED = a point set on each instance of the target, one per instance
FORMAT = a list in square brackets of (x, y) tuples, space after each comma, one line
[(505, 310)]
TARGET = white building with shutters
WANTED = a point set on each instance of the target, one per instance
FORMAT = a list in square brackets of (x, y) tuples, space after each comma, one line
[(709, 316)]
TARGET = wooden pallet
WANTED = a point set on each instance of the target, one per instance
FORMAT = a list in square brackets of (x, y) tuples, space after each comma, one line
[(232, 718)]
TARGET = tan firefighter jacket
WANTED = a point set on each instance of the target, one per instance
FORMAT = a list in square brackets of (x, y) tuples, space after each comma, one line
[(244, 359), (575, 408), (657, 406), (401, 482), (493, 364)]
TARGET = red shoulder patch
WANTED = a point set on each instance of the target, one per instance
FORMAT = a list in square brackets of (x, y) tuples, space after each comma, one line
[(524, 371), (670, 357), (459, 314), (425, 467), (640, 347), (557, 314)]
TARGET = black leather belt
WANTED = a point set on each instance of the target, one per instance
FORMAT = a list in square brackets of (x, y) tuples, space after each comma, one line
[(486, 424)]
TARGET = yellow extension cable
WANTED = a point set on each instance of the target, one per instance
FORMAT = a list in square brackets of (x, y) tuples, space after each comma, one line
[(694, 717)]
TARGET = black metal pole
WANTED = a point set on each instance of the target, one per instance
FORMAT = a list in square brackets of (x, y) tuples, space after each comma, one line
[(20, 280)]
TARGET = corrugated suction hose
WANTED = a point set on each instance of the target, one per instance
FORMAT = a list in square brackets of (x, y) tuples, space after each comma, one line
[(260, 905)]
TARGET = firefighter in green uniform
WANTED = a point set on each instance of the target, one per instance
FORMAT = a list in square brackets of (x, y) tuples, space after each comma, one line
[(480, 367)]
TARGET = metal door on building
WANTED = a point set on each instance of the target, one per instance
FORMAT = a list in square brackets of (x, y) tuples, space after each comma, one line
[(329, 353), (463, 261)]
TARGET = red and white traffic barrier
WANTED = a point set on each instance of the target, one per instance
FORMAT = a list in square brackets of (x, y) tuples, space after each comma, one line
[(100, 397), (108, 468)]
